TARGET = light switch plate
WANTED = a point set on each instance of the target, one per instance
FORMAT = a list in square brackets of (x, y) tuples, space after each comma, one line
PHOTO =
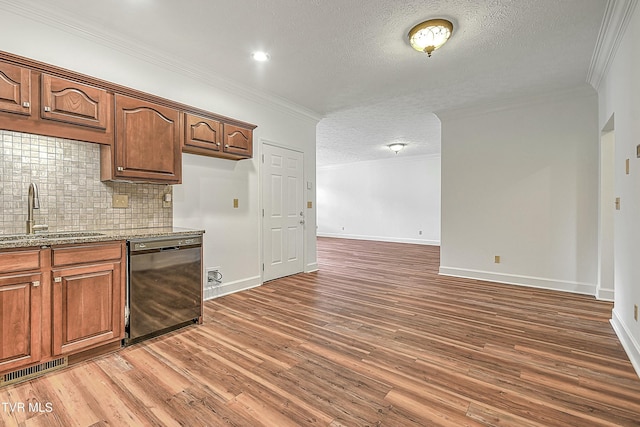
[(235, 203), (309, 205), (120, 201)]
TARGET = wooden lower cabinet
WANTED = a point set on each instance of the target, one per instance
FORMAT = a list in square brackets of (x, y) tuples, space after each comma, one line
[(20, 320), (87, 297), (60, 301)]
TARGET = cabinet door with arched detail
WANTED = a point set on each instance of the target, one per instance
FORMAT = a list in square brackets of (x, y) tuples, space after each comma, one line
[(75, 103), (147, 145), (238, 140), (15, 89)]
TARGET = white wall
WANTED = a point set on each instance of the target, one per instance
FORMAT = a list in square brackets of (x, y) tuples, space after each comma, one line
[(232, 238), (385, 200), (619, 96), (520, 180)]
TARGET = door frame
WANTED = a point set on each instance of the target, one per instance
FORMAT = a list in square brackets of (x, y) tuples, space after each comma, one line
[(262, 239), (605, 288)]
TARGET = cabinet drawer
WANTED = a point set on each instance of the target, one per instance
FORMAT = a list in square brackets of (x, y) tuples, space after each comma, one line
[(19, 260), (82, 254)]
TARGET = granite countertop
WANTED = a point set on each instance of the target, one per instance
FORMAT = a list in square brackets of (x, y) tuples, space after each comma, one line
[(64, 237)]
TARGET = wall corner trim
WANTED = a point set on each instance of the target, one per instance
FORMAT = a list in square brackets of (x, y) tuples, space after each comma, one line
[(629, 344)]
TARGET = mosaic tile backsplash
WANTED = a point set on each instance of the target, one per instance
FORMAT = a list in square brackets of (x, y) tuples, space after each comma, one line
[(72, 197)]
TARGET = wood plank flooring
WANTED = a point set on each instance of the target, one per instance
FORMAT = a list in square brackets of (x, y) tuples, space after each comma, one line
[(375, 338)]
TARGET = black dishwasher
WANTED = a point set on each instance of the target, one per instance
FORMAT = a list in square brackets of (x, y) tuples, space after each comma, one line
[(164, 286)]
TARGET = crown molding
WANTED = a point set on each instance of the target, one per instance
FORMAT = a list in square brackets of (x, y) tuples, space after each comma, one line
[(614, 24), (52, 17)]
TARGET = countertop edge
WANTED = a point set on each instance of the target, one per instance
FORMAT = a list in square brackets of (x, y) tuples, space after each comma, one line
[(105, 236)]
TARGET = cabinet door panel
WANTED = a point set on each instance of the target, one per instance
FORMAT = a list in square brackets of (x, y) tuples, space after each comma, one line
[(20, 311), (86, 307), (19, 260), (86, 254), (238, 140), (202, 133), (71, 102), (15, 89), (147, 141)]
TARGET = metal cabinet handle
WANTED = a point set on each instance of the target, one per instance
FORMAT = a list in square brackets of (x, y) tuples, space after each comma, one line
[(226, 146), (218, 144), (58, 279), (35, 283), (25, 104), (47, 109), (120, 168)]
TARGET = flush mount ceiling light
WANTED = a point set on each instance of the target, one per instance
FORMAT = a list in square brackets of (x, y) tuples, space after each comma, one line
[(395, 147), (430, 35), (260, 56)]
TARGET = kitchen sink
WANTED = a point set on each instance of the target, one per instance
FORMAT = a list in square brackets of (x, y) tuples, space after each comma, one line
[(60, 235)]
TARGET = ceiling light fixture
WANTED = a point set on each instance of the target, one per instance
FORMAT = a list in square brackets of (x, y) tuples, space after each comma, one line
[(430, 35), (260, 56), (395, 147)]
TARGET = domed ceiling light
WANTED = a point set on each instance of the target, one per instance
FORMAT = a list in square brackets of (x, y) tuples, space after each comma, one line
[(395, 147), (430, 35)]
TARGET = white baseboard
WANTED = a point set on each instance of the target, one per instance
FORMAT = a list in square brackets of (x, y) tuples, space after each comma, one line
[(310, 268), (231, 287), (381, 239), (605, 294), (630, 345), (512, 279)]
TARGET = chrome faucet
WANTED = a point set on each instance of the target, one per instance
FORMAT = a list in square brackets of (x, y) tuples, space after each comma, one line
[(33, 202)]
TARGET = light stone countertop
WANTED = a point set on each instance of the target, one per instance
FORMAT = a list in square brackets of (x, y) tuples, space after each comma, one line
[(51, 238)]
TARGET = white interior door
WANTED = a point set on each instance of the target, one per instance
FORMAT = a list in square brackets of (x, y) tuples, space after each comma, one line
[(283, 214)]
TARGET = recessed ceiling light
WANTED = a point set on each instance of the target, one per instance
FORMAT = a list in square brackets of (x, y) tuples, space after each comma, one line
[(260, 56)]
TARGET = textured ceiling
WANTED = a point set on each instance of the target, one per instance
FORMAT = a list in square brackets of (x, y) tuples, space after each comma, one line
[(349, 60)]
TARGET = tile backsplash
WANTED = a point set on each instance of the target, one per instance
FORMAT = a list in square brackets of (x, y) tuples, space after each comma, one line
[(72, 197)]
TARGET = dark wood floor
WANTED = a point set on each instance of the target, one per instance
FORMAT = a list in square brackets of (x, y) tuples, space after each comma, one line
[(375, 337)]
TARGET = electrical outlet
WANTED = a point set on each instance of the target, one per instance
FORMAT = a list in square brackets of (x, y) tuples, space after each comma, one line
[(496, 259), (420, 233), (167, 198), (214, 276), (635, 312), (120, 201)]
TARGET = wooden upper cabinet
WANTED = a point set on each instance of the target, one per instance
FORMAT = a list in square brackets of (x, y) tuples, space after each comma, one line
[(210, 136), (148, 144), (15, 89), (75, 103), (238, 140), (42, 104), (201, 134)]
